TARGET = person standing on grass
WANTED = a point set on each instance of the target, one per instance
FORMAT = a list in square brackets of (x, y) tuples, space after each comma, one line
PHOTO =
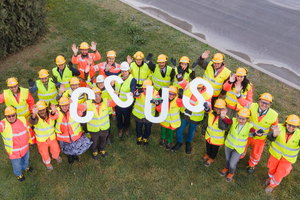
[(63, 73), (69, 132), (16, 134), (139, 69), (284, 150), (139, 112), (183, 69), (43, 121), (239, 92), (216, 74), (189, 117), (82, 60), (162, 75), (18, 97), (99, 125), (100, 84), (237, 139), (172, 122), (128, 86), (215, 132), (46, 89), (265, 118)]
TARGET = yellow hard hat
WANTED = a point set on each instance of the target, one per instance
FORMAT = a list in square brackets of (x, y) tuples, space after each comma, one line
[(41, 105), (60, 60), (64, 101), (12, 82), (293, 120), (218, 58), (162, 58), (173, 89), (74, 80), (9, 110), (220, 103), (241, 71), (43, 73), (146, 83), (200, 85), (84, 45), (96, 90), (111, 53), (244, 112), (184, 59), (138, 55), (266, 96)]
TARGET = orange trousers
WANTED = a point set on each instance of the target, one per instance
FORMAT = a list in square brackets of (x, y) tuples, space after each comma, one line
[(43, 149), (278, 169), (257, 149)]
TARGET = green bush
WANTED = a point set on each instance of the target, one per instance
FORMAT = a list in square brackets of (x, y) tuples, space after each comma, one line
[(22, 21)]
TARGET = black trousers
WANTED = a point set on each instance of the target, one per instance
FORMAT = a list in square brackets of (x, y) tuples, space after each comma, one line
[(95, 136), (212, 150)]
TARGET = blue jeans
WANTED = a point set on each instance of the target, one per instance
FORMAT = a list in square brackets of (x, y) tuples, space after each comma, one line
[(139, 129), (180, 130), (123, 113), (20, 164)]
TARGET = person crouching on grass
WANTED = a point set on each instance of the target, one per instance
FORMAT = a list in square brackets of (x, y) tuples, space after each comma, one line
[(215, 132), (172, 122), (236, 141)]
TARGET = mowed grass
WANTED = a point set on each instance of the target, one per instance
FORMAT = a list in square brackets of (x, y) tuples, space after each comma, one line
[(129, 171)]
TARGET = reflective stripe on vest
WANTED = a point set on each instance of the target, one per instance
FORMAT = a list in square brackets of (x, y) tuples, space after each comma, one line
[(49, 94), (173, 117), (158, 80), (123, 88), (216, 82), (43, 130), (213, 132), (139, 73), (66, 76), (186, 77), (98, 122), (231, 98)]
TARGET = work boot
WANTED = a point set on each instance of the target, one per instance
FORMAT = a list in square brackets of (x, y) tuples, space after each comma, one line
[(224, 171), (29, 169), (250, 169), (269, 189), (176, 147), (188, 148), (268, 181), (145, 141), (21, 178), (103, 153), (208, 162), (205, 157), (127, 131), (139, 141), (75, 158), (58, 159), (49, 166), (120, 132), (95, 155), (168, 146), (70, 159), (162, 143), (229, 177)]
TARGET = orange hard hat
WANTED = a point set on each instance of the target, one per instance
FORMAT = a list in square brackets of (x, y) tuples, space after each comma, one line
[(60, 60), (111, 54), (74, 80), (146, 83), (43, 73), (138, 55), (96, 90)]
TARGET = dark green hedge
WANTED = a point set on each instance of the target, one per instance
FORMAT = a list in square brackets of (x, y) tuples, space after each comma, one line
[(21, 22)]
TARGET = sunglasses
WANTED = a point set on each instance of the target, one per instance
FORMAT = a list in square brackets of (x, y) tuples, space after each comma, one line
[(292, 126), (266, 103), (10, 116)]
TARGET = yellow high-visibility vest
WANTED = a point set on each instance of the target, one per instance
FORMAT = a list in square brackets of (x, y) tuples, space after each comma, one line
[(216, 135), (49, 94), (22, 108)]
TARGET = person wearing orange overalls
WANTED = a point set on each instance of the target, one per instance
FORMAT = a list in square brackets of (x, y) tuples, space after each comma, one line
[(284, 150), (16, 134), (43, 121), (84, 60), (262, 117)]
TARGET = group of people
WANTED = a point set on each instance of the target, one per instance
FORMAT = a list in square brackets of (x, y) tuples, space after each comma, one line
[(229, 111)]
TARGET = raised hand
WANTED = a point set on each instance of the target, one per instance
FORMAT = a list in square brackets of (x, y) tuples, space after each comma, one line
[(54, 80), (205, 54), (31, 82), (74, 49), (35, 110), (149, 56), (70, 65), (62, 89), (238, 88), (276, 131), (93, 46), (173, 61), (232, 78), (223, 113), (206, 107), (194, 66), (129, 59)]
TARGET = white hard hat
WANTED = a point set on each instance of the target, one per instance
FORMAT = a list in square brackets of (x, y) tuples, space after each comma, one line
[(125, 66), (100, 79)]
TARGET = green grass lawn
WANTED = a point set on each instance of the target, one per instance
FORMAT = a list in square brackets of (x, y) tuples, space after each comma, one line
[(129, 171)]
